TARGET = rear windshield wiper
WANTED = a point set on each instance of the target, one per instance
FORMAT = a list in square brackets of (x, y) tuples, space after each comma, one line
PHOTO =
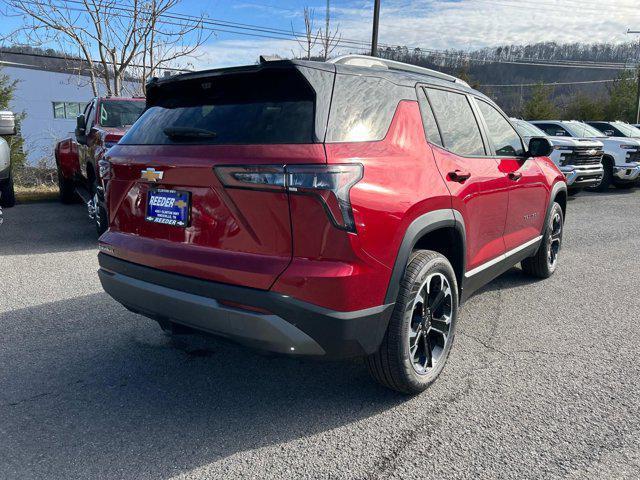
[(188, 132)]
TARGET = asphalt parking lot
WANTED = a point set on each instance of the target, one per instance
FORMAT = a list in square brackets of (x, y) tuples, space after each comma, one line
[(543, 382)]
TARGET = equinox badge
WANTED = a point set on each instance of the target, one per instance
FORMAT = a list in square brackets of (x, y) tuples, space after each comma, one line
[(151, 175)]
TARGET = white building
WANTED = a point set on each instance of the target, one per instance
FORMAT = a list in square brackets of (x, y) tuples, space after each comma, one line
[(51, 93)]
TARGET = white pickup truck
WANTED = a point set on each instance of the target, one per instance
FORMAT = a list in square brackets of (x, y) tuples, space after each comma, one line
[(7, 127), (579, 159), (620, 160)]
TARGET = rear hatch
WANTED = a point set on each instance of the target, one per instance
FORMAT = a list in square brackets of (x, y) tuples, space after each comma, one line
[(168, 207)]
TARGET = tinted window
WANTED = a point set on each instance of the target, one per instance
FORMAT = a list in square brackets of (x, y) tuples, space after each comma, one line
[(119, 113), (362, 108), (458, 125), (504, 138), (268, 107), (626, 130), (528, 130), (429, 122), (553, 129), (579, 129), (606, 128)]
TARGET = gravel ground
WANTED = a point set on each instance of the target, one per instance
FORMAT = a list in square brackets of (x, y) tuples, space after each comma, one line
[(543, 382)]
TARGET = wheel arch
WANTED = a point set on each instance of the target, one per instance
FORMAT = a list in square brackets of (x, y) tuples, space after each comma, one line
[(559, 194), (608, 161), (442, 231)]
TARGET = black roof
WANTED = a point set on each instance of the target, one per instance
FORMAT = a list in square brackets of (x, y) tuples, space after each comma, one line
[(398, 77)]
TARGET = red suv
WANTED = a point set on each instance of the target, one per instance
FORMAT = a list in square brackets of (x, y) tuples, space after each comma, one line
[(334, 209)]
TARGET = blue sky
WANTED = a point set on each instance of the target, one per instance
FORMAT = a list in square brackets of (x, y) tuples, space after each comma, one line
[(437, 24)]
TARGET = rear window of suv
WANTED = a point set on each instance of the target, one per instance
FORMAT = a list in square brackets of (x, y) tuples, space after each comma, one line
[(251, 109)]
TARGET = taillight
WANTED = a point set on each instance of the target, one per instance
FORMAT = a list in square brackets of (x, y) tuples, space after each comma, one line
[(330, 184)]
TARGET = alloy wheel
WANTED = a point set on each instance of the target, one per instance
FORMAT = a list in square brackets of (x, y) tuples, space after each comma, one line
[(555, 239), (429, 332)]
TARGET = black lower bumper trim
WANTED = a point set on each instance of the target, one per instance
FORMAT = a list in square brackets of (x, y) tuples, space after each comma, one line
[(192, 301)]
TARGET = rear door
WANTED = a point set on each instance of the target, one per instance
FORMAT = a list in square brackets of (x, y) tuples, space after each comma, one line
[(472, 177), (196, 183), (522, 177)]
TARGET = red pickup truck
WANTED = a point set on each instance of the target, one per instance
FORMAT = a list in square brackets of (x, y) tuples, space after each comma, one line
[(104, 121)]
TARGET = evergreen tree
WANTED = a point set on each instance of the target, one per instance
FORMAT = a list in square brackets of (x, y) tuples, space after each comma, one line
[(16, 142), (540, 106), (584, 107), (622, 99)]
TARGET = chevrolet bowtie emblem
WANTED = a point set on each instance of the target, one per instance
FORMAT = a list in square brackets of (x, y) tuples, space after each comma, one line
[(151, 175), (180, 204)]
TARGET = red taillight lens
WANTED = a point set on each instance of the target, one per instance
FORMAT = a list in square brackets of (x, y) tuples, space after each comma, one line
[(319, 181)]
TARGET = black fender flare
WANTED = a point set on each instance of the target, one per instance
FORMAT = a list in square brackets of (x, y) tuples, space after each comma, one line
[(429, 222), (559, 186)]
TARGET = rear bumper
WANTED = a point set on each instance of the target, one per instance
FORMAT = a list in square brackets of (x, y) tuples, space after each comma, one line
[(292, 326), (583, 176)]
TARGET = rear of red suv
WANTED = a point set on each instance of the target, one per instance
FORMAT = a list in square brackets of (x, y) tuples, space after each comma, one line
[(298, 207), (227, 215)]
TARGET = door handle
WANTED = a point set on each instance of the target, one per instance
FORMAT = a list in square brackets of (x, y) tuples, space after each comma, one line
[(515, 176), (459, 176)]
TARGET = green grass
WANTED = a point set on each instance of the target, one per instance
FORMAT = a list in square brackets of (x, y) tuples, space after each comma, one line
[(40, 193)]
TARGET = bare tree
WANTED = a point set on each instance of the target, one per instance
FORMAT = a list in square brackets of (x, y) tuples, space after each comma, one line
[(310, 38), (132, 41), (328, 39)]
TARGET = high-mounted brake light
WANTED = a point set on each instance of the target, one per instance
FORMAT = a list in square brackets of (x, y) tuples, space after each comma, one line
[(330, 184)]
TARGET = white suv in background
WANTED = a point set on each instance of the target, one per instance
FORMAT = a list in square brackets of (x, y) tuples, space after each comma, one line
[(621, 167), (7, 194), (579, 159)]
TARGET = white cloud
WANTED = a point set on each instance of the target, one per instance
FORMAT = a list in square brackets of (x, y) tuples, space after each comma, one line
[(441, 24)]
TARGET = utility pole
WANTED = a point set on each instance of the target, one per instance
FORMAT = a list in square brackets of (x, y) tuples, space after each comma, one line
[(327, 38), (638, 80), (374, 35)]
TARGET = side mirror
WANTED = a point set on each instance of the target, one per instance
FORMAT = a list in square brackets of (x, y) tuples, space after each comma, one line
[(81, 129), (7, 123), (540, 147)]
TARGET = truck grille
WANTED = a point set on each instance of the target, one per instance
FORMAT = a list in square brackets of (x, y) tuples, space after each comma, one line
[(582, 156), (633, 156)]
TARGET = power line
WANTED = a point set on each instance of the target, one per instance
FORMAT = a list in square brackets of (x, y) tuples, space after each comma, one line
[(552, 84), (241, 29), (346, 42)]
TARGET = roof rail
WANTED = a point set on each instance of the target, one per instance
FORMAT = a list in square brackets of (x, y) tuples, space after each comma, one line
[(367, 61)]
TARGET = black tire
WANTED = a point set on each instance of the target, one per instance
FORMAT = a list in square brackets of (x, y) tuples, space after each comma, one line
[(100, 219), (545, 261), (7, 193), (66, 188), (398, 364), (607, 178), (624, 186)]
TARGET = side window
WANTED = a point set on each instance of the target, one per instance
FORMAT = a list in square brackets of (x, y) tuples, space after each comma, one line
[(89, 115), (553, 130), (458, 126), (506, 141), (429, 121), (58, 110)]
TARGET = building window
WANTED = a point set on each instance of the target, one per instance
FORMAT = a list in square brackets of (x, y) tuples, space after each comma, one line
[(68, 110)]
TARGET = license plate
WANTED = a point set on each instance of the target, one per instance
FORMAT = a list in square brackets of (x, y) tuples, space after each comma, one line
[(169, 207)]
